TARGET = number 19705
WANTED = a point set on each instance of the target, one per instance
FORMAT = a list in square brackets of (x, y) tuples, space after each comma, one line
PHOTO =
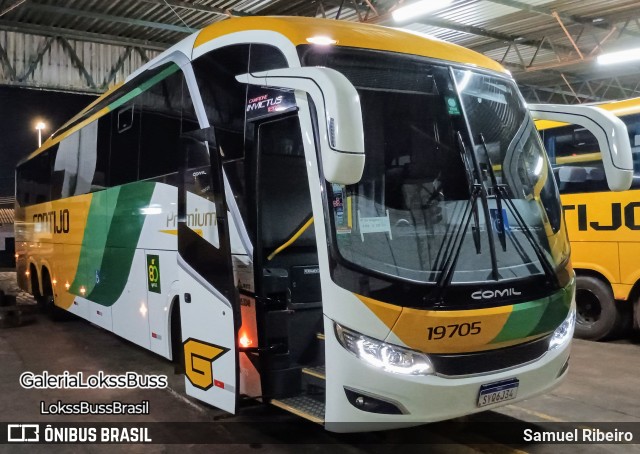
[(461, 329)]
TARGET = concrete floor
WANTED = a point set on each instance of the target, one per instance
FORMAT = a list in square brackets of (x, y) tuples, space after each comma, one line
[(602, 386)]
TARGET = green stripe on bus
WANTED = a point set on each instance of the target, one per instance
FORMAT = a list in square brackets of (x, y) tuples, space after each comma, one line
[(143, 87), (122, 240), (93, 242), (557, 311), (522, 321), (536, 317)]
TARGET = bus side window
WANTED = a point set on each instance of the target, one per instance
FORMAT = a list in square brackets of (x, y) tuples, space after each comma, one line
[(34, 179), (578, 162), (99, 180), (125, 144), (224, 99), (162, 108), (75, 164)]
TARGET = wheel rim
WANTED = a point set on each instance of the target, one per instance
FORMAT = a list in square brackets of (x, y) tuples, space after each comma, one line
[(588, 309)]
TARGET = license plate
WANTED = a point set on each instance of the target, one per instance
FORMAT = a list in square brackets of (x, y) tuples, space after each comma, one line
[(492, 393)]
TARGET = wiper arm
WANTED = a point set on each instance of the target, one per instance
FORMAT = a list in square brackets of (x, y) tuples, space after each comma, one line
[(548, 269), (496, 190), (485, 207), (471, 174), (452, 252), (501, 192)]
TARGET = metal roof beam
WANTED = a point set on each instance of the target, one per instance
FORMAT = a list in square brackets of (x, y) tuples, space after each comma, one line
[(557, 90), (108, 17), (192, 7), (474, 30), (80, 36), (542, 10), (77, 62), (11, 7), (5, 63)]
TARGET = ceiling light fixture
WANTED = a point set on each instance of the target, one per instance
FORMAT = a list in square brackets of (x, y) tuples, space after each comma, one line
[(623, 56), (418, 9)]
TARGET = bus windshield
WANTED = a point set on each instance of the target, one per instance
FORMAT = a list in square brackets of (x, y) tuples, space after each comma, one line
[(456, 180)]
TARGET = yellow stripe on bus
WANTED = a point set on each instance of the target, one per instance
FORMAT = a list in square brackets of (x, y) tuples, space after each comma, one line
[(350, 34), (586, 157)]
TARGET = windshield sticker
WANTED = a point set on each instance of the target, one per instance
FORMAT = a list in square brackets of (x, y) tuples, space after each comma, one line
[(500, 223), (374, 225), (341, 213), (452, 106)]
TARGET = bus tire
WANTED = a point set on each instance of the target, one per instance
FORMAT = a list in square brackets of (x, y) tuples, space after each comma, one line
[(597, 315), (54, 312)]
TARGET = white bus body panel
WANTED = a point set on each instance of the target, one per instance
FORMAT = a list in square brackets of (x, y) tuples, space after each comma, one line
[(423, 398), (208, 318)]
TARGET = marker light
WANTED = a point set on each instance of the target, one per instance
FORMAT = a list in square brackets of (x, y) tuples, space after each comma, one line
[(564, 332), (321, 40), (245, 341), (143, 310), (390, 358), (418, 9), (151, 210), (83, 290), (622, 56), (67, 285)]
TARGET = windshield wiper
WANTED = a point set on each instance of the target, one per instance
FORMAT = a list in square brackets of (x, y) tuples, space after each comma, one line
[(548, 269), (500, 192), (496, 192), (471, 175), (444, 252), (454, 245), (485, 207)]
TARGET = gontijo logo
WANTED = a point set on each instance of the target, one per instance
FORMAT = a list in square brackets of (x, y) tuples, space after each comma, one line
[(198, 359)]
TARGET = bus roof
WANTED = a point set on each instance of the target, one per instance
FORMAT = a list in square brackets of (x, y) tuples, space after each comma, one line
[(297, 30), (351, 34), (618, 108)]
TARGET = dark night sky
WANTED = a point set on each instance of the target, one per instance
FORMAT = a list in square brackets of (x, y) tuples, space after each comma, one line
[(20, 109)]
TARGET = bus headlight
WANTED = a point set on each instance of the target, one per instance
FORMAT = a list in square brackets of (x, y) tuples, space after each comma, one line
[(564, 332), (388, 357)]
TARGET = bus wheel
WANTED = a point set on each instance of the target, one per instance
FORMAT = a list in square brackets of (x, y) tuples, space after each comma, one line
[(48, 302), (597, 316)]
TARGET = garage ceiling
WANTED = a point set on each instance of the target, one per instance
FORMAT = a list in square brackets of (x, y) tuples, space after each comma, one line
[(550, 46)]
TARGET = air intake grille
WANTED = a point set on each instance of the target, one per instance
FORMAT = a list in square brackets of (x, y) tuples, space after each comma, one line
[(489, 361)]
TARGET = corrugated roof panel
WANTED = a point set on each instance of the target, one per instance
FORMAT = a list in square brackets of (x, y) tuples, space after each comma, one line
[(477, 12)]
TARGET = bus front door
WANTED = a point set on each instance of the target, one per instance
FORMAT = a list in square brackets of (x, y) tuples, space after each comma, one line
[(208, 302)]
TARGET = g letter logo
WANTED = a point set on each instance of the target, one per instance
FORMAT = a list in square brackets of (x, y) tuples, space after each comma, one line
[(198, 357)]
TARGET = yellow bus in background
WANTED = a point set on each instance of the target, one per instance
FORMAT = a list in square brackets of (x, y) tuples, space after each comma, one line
[(604, 226)]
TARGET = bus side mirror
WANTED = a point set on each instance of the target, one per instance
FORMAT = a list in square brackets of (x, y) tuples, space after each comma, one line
[(610, 131), (339, 116)]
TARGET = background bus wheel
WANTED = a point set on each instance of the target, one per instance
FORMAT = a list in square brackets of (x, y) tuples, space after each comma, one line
[(597, 315)]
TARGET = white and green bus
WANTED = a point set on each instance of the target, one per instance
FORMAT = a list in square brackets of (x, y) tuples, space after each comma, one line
[(354, 223)]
